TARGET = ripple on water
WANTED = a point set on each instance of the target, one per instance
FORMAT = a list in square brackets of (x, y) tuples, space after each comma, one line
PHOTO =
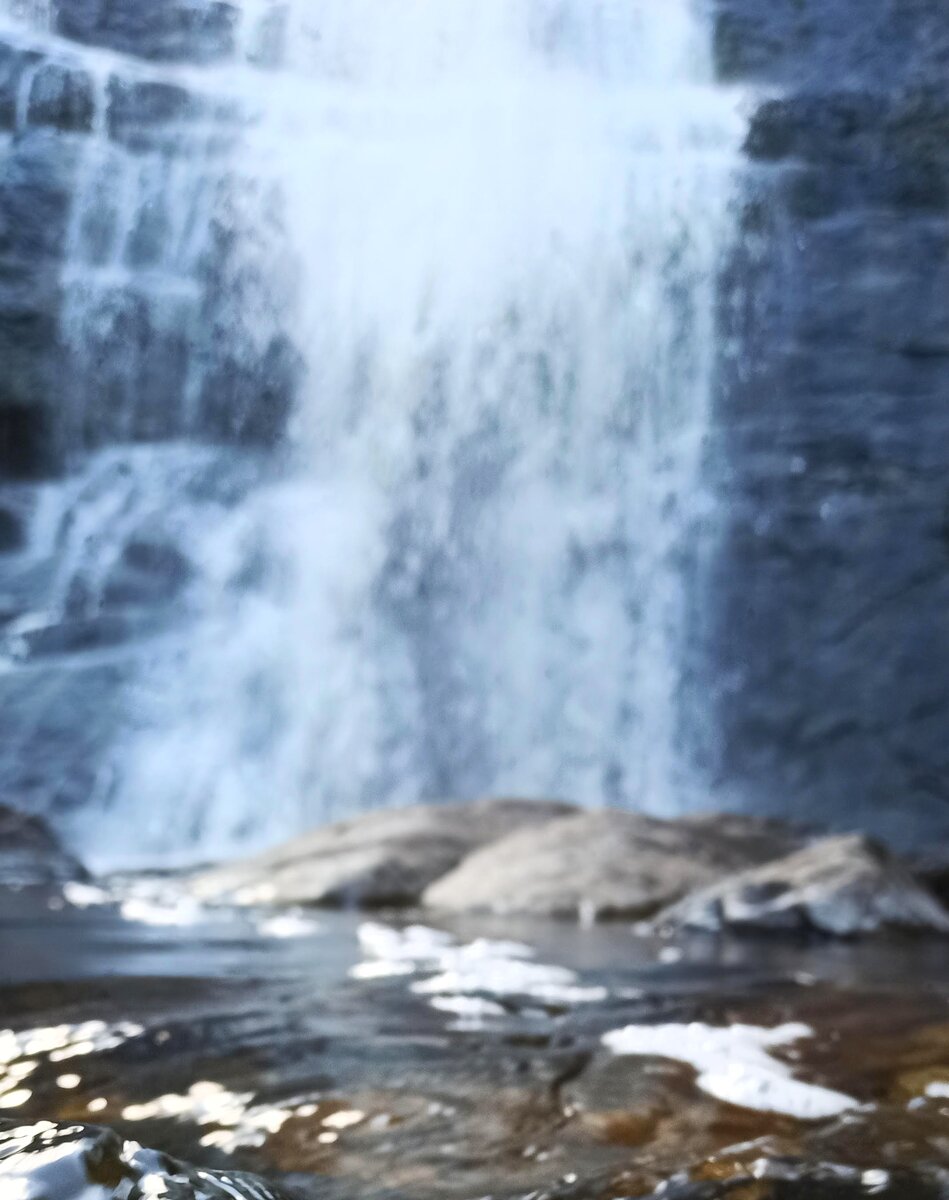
[(22, 1052)]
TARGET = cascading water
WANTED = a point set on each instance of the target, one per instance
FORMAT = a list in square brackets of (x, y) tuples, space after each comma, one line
[(494, 228)]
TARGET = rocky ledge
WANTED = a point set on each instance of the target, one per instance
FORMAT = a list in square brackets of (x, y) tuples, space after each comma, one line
[(31, 855), (605, 864), (384, 858), (549, 859)]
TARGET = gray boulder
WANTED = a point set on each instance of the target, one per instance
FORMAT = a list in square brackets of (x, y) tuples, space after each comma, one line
[(30, 853), (605, 864), (843, 886), (383, 858)]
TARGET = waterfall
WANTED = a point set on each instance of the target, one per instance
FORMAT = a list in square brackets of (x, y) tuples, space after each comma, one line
[(490, 231)]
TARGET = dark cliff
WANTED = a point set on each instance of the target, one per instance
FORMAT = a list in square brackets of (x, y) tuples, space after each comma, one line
[(831, 589)]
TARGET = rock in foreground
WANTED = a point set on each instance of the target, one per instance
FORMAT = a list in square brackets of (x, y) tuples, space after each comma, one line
[(842, 886), (31, 855), (606, 864), (383, 858), (45, 1161)]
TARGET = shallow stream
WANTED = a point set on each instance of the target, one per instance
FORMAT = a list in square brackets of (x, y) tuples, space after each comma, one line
[(335, 1055)]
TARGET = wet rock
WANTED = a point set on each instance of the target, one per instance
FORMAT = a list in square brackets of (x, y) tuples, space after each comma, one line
[(62, 97), (605, 864), (790, 1178), (35, 197), (30, 853), (165, 30), (148, 572), (384, 858), (58, 725), (139, 108), (12, 534), (71, 636), (29, 296), (845, 133), (251, 402), (25, 451), (132, 366), (83, 1162), (842, 886), (13, 63), (830, 407), (819, 41)]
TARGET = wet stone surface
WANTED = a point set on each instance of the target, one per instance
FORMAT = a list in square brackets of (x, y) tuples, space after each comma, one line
[(326, 1055)]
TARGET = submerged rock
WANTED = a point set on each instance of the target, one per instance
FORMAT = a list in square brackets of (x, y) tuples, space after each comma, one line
[(383, 858), (606, 863), (841, 885), (31, 854), (45, 1161)]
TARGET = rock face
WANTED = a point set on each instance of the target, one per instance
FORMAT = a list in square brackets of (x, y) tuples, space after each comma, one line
[(832, 577), (830, 422), (842, 886), (606, 864), (94, 353), (165, 30), (385, 858), (30, 855)]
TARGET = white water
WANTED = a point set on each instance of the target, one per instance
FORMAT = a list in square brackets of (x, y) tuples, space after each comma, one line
[(502, 221)]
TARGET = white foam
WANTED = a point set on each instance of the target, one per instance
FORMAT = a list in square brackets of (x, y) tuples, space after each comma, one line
[(85, 895), (60, 1042), (470, 1007), (734, 1065), (177, 912), (454, 971), (414, 943), (288, 925), (503, 976), (234, 1119)]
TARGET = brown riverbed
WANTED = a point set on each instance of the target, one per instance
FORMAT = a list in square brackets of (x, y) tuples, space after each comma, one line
[(360, 1067)]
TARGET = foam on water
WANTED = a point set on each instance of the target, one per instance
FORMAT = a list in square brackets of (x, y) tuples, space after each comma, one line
[(734, 1065), (460, 978)]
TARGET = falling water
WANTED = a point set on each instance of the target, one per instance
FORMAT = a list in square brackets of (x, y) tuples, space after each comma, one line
[(491, 231)]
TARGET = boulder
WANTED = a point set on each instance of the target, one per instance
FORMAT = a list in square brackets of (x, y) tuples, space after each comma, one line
[(842, 886), (383, 858), (30, 853), (606, 864)]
